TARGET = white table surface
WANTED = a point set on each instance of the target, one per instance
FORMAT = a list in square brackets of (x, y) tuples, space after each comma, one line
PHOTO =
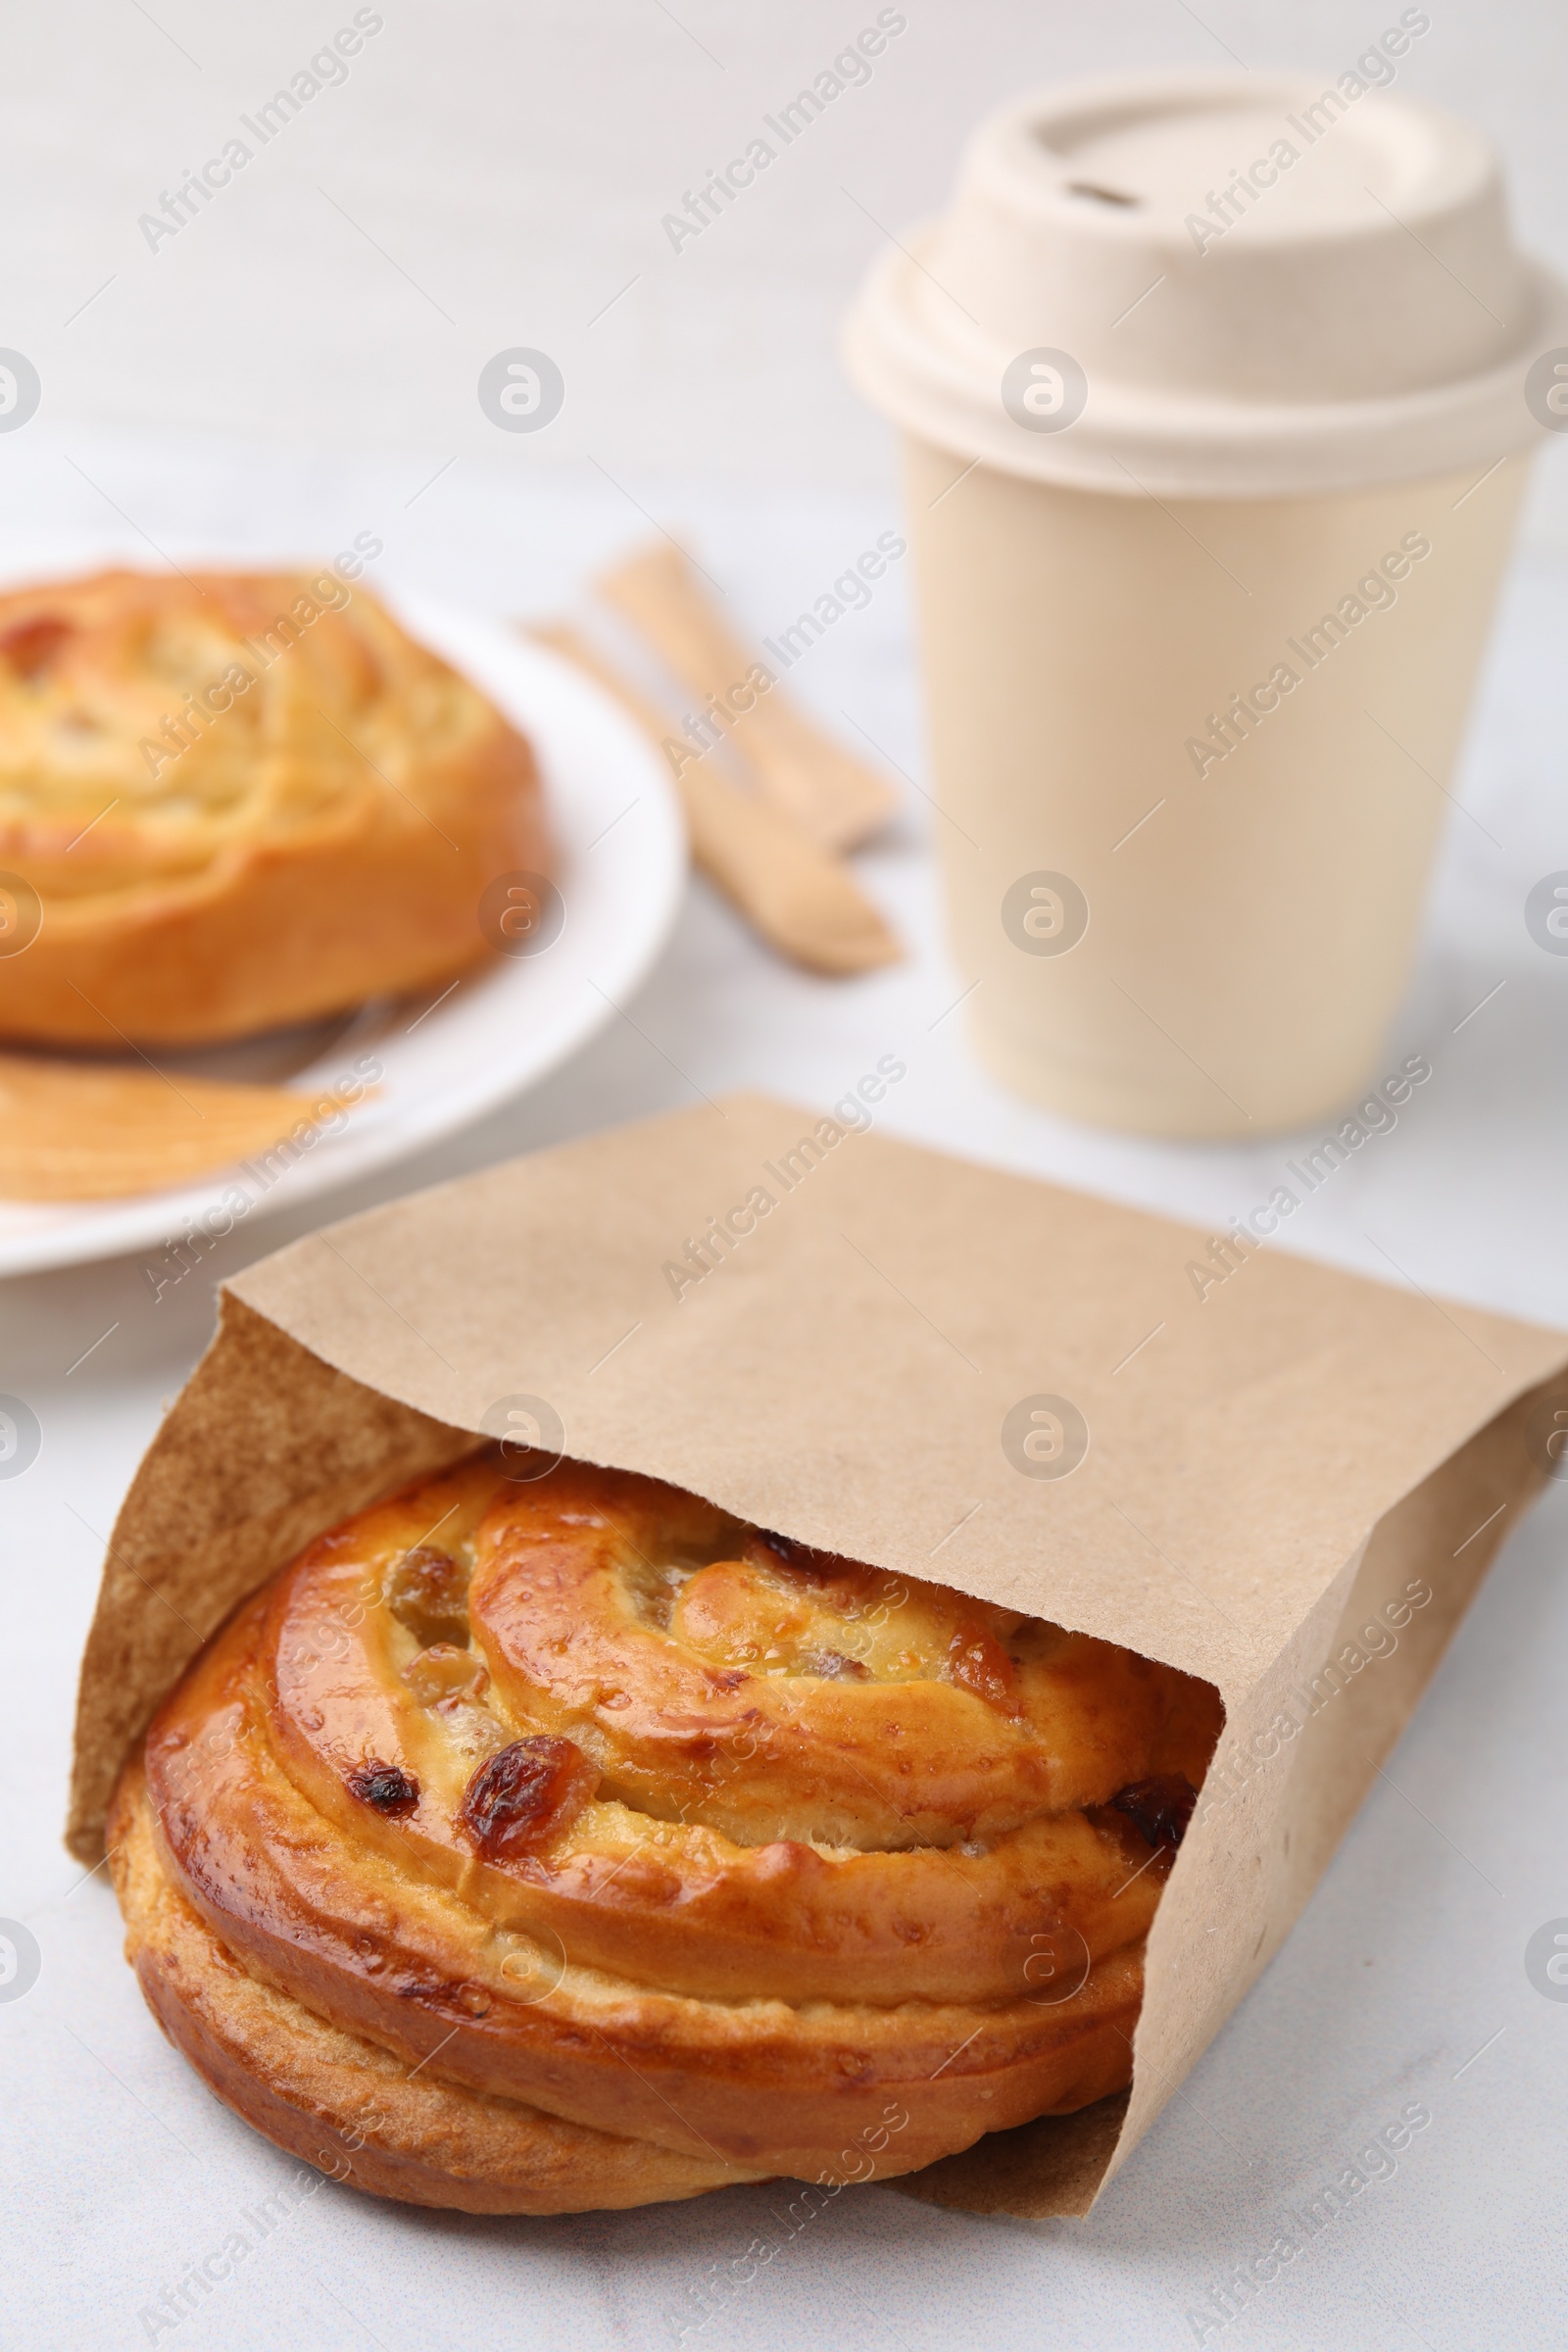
[(121, 2170)]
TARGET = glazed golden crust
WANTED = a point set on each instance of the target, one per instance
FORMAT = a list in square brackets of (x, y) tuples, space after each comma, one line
[(571, 1791), (242, 799), (347, 2105)]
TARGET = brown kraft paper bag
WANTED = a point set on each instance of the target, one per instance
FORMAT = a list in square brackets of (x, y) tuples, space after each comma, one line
[(1290, 1482)]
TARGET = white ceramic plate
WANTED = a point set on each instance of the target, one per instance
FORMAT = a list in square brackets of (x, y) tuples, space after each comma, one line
[(445, 1062)]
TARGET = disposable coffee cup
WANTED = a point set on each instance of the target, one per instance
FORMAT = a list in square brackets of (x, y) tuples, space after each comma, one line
[(1217, 399)]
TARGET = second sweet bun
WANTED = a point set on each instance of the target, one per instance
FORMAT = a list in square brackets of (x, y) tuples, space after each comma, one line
[(235, 801), (534, 1845)]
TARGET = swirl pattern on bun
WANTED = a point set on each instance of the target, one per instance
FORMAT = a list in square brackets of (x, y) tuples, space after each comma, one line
[(230, 801), (563, 1841)]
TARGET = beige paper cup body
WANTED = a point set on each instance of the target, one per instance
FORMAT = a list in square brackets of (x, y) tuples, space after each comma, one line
[(1168, 707)]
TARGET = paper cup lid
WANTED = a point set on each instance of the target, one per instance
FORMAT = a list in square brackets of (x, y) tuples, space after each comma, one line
[(1217, 286)]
